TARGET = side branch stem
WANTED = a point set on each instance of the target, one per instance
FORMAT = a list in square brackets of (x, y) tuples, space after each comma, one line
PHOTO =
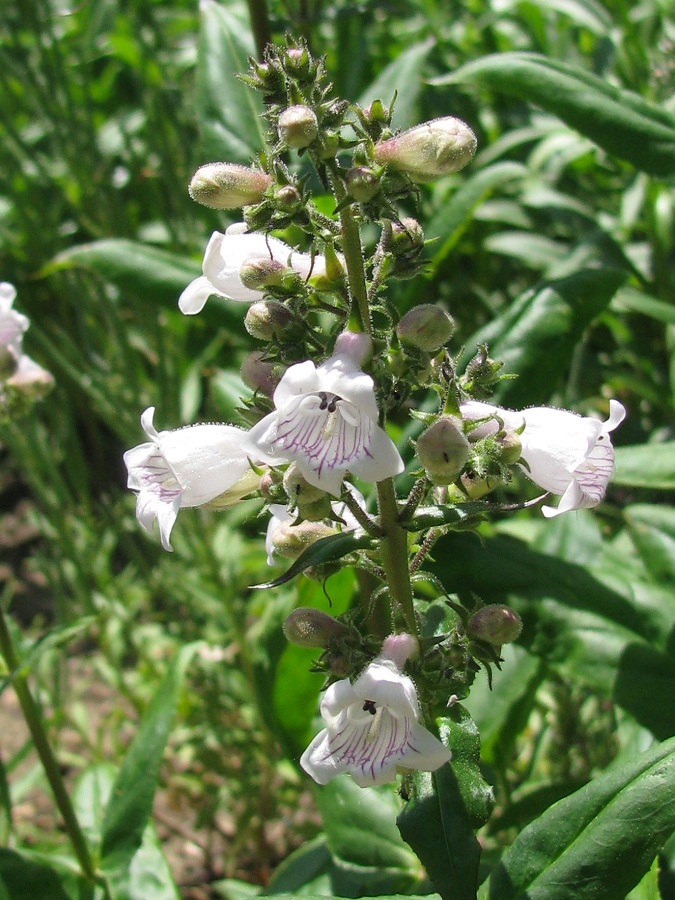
[(394, 550), (44, 751)]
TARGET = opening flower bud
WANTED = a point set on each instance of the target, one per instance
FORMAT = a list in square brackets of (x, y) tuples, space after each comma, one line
[(298, 127), (258, 272), (495, 624), (290, 540), (267, 319), (223, 185), (362, 183), (260, 375), (430, 150), (443, 449), (312, 628), (425, 327)]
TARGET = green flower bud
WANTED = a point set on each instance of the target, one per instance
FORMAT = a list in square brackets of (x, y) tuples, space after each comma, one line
[(429, 150), (267, 319), (290, 540), (362, 183), (298, 127), (495, 624), (510, 448), (258, 272), (298, 489), (443, 449), (288, 199), (476, 487), (425, 327), (314, 510), (312, 628), (223, 185)]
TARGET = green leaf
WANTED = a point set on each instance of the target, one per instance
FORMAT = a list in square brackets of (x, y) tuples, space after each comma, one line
[(326, 550), (646, 466), (598, 843), (536, 336), (402, 76), (22, 877), (445, 809), (620, 122), (140, 268), (130, 804), (150, 875), (652, 530), (454, 215), (227, 110), (630, 300), (612, 638)]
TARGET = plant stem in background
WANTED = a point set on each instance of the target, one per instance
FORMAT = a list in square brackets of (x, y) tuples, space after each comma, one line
[(260, 25), (394, 551), (44, 751)]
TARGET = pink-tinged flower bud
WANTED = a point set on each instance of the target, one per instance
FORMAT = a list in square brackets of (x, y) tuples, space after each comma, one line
[(223, 185), (429, 150), (399, 648), (298, 127), (425, 327), (407, 235), (495, 624), (362, 183), (312, 628), (258, 272), (30, 380), (443, 449), (267, 319), (357, 345), (260, 375)]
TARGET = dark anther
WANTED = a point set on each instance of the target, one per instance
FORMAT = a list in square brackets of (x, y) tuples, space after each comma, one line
[(324, 400), (369, 706)]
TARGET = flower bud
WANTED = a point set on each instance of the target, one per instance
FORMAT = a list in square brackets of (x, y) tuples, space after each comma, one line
[(443, 449), (258, 272), (267, 319), (298, 127), (510, 449), (298, 489), (290, 540), (260, 375), (476, 487), (312, 628), (425, 327), (223, 185), (288, 198), (362, 184), (429, 150), (355, 344), (399, 648), (314, 510), (407, 235), (247, 484), (495, 624)]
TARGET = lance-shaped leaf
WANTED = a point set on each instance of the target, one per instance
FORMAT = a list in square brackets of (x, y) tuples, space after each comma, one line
[(130, 804), (325, 550), (620, 122), (647, 466), (445, 809), (598, 843)]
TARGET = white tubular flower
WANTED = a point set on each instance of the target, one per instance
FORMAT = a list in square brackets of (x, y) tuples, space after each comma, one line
[(191, 466), (372, 727), (326, 421), (226, 253), (566, 454), (12, 324)]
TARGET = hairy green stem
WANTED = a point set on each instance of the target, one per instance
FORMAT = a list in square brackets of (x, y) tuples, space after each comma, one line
[(44, 751), (353, 253), (394, 553), (260, 25)]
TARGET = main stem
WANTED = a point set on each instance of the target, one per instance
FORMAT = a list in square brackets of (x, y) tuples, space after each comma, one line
[(44, 751), (394, 544)]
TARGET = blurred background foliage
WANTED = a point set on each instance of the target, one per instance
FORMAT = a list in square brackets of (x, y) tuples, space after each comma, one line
[(555, 250)]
